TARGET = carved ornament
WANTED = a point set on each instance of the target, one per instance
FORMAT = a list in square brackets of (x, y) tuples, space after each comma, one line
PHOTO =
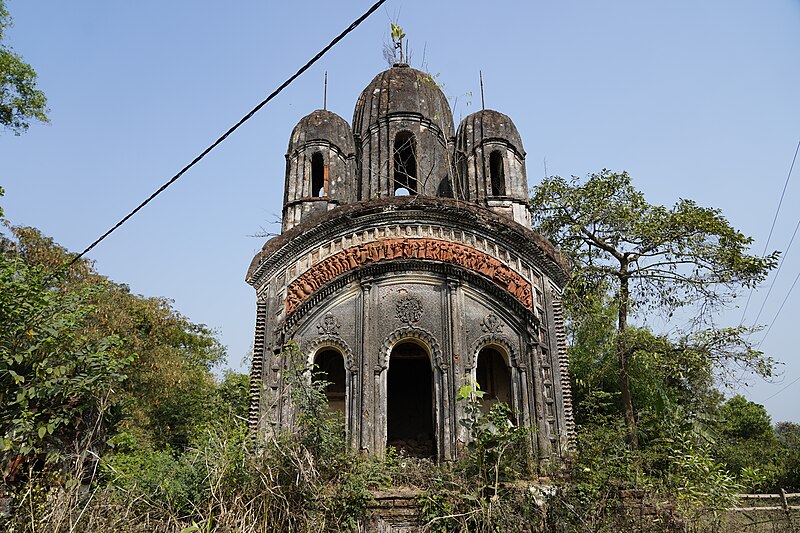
[(408, 248), (409, 309), (492, 324), (329, 325)]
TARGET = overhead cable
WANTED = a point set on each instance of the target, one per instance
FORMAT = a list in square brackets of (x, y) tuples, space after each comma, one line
[(772, 228), (233, 128)]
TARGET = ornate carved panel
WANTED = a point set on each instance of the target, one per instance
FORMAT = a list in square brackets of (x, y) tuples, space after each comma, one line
[(329, 325), (409, 309), (492, 324), (408, 248)]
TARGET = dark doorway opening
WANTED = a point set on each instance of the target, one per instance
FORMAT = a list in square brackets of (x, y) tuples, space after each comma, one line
[(494, 378), (330, 367), (409, 401)]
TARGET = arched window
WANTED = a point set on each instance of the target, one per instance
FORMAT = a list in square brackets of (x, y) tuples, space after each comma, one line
[(497, 173), (494, 378), (405, 163), (330, 367), (319, 181)]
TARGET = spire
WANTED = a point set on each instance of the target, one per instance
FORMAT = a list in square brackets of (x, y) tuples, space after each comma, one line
[(483, 103)]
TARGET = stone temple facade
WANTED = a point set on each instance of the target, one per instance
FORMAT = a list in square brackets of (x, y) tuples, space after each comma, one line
[(406, 268)]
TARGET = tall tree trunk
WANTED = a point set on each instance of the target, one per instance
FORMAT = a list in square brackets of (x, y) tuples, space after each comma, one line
[(622, 352)]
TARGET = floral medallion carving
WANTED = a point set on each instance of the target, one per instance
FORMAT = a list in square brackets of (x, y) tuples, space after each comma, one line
[(329, 325), (409, 309), (492, 324)]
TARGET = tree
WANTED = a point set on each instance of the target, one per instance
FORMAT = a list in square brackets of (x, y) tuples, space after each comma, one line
[(170, 380), (57, 383), (20, 100), (788, 435), (651, 258), (747, 440)]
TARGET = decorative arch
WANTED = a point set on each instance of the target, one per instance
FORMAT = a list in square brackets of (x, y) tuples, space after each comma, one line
[(335, 342), (413, 334), (493, 339)]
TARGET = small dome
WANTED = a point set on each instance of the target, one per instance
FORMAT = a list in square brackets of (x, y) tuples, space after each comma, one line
[(487, 125), (322, 125), (402, 89)]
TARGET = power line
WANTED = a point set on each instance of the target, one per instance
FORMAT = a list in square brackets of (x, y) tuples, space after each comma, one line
[(772, 228), (225, 135), (777, 272), (783, 389), (780, 309)]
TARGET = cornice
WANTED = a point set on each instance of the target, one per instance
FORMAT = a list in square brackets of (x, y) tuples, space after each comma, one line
[(418, 209)]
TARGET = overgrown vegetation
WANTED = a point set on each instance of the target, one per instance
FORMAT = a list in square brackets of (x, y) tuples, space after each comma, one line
[(653, 427)]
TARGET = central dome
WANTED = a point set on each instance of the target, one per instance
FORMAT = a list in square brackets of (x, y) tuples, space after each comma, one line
[(402, 89)]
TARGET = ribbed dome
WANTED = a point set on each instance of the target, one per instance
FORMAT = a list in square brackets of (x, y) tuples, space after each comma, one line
[(322, 125), (487, 125), (402, 89)]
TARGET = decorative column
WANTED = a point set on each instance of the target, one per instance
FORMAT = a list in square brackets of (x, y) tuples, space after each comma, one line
[(453, 342), (365, 411), (537, 395)]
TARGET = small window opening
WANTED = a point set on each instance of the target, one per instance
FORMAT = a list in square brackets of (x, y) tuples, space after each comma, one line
[(494, 378), (405, 163), (497, 173), (330, 367), (319, 176)]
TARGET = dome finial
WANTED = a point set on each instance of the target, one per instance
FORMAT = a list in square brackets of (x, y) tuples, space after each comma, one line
[(483, 103)]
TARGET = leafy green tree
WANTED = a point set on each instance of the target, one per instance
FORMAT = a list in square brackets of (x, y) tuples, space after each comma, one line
[(170, 384), (647, 257), (788, 436), (57, 384), (747, 440), (20, 100)]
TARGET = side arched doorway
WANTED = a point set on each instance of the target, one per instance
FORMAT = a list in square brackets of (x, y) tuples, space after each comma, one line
[(494, 378), (409, 401), (329, 366)]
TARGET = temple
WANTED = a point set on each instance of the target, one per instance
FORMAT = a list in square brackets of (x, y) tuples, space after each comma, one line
[(406, 267)]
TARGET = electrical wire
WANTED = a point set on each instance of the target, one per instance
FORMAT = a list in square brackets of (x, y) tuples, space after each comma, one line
[(771, 229), (783, 389), (777, 272), (780, 309), (233, 128)]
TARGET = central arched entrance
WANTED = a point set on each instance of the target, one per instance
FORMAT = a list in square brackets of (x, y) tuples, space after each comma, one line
[(409, 401)]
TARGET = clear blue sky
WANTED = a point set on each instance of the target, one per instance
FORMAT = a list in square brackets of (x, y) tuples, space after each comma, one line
[(695, 99)]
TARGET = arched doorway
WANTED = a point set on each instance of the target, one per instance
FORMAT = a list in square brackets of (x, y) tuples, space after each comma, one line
[(494, 378), (330, 367), (409, 401)]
